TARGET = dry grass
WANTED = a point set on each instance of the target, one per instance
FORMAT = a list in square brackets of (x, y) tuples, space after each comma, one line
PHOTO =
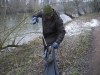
[(27, 60)]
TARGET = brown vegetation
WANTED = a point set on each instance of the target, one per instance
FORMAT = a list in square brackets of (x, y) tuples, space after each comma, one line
[(27, 60)]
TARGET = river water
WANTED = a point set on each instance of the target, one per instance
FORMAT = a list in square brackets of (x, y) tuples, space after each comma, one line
[(26, 31)]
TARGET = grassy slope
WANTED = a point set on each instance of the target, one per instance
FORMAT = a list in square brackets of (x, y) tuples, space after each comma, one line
[(26, 60)]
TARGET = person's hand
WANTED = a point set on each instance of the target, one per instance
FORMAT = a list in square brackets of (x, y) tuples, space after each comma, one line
[(55, 45), (34, 20)]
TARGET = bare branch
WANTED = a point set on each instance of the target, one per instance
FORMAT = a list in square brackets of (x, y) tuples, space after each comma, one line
[(10, 46)]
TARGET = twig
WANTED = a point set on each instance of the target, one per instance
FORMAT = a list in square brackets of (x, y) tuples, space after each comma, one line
[(11, 46)]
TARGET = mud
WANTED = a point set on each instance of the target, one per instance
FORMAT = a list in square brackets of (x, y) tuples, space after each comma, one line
[(95, 61), (91, 66), (22, 63)]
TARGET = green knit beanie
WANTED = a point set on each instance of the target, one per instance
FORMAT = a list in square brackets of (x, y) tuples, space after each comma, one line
[(47, 9)]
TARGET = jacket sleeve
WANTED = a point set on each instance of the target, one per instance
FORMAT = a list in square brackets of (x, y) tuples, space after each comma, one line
[(38, 14), (61, 30)]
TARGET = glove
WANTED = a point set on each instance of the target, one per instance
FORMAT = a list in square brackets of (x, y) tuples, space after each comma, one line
[(55, 45), (34, 20)]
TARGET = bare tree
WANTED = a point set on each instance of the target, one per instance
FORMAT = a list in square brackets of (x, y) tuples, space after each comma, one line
[(46, 2), (77, 2), (95, 5)]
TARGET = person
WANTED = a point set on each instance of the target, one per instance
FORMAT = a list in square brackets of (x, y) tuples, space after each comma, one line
[(53, 29)]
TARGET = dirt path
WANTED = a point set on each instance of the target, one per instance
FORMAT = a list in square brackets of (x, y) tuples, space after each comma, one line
[(22, 61), (94, 59)]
